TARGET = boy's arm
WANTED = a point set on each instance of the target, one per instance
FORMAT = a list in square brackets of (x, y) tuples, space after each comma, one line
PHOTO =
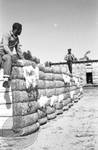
[(18, 50), (66, 57), (74, 58), (5, 40)]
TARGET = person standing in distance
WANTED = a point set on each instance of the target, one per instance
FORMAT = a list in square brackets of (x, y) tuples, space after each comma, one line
[(70, 58)]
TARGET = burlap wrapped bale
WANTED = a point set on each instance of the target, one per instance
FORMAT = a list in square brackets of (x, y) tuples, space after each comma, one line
[(41, 67), (41, 92), (25, 108), (17, 73), (51, 116), (35, 59), (76, 99), (61, 90), (70, 104), (42, 121), (49, 76), (41, 113), (48, 69), (50, 92), (77, 90), (59, 111), (59, 84), (21, 63), (41, 75), (41, 84), (58, 77), (64, 69), (73, 88), (23, 96), (49, 84), (59, 105), (24, 121), (18, 84), (65, 108), (66, 101), (56, 69), (27, 130), (66, 95), (50, 110)]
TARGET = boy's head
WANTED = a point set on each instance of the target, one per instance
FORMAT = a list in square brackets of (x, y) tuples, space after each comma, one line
[(17, 28), (69, 50)]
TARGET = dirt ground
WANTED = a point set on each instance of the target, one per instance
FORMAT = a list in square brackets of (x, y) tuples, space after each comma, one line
[(75, 129)]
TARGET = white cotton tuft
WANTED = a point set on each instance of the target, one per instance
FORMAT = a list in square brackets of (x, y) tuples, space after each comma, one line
[(31, 75), (43, 101), (53, 100), (72, 94), (66, 78)]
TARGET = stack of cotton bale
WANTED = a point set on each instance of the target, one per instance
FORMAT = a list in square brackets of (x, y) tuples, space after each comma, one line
[(67, 102), (24, 95), (42, 98), (60, 87), (50, 93), (76, 88)]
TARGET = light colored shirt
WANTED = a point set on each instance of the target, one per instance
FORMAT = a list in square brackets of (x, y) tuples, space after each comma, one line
[(69, 57), (8, 43)]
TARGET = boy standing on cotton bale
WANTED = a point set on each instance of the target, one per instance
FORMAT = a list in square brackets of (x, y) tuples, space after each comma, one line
[(8, 43), (70, 58)]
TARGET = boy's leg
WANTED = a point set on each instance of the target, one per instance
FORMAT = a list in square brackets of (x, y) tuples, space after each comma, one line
[(70, 67), (7, 64), (7, 69)]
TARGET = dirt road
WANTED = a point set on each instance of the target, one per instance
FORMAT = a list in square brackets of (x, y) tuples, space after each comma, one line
[(76, 129)]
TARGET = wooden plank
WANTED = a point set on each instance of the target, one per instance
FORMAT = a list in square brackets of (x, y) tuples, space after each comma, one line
[(6, 110), (6, 122)]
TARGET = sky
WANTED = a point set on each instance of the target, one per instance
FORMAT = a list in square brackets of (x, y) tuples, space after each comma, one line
[(50, 27)]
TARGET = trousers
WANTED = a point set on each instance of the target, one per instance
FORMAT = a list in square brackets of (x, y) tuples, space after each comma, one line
[(70, 66), (6, 63)]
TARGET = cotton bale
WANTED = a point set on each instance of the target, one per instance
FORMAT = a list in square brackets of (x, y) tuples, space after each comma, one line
[(66, 101), (27, 130), (42, 75), (58, 77), (61, 90), (41, 67), (22, 96), (41, 84), (49, 76), (49, 84), (50, 92), (25, 108), (51, 116), (41, 113), (17, 84), (23, 121), (17, 73), (48, 69), (59, 84), (41, 92), (59, 105), (59, 111), (56, 69), (42, 121), (21, 63), (50, 110)]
